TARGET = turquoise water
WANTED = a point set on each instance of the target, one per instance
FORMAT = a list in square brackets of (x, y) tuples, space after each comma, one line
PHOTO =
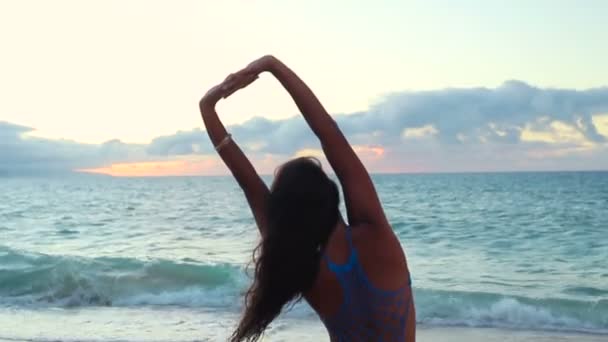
[(157, 259)]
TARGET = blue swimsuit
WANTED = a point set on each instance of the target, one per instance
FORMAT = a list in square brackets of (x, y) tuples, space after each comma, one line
[(367, 312)]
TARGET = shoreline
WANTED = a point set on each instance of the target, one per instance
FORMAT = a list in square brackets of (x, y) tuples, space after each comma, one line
[(472, 334), (113, 325)]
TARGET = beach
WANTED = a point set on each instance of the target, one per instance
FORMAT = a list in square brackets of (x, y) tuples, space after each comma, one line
[(105, 325)]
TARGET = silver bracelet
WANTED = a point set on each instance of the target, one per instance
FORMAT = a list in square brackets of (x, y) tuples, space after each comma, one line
[(224, 142)]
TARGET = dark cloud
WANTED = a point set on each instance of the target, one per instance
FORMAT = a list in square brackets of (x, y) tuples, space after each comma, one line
[(180, 143), (468, 123), (23, 154), (480, 114), (483, 111), (9, 130)]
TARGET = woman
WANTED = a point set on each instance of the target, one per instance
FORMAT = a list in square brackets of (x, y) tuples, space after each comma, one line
[(353, 275)]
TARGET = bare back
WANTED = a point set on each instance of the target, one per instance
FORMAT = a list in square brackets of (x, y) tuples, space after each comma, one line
[(363, 290)]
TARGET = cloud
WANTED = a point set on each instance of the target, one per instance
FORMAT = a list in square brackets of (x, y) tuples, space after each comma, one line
[(180, 143), (498, 114), (513, 126), (23, 154), (419, 132), (452, 116)]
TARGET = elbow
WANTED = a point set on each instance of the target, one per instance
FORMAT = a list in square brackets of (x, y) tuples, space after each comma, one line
[(205, 107), (202, 104)]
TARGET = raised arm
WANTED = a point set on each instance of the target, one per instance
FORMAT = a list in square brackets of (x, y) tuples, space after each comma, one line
[(362, 203), (241, 168)]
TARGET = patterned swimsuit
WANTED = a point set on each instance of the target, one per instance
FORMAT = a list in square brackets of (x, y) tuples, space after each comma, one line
[(367, 312)]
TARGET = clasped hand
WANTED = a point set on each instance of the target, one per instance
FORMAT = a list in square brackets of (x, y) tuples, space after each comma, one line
[(237, 81)]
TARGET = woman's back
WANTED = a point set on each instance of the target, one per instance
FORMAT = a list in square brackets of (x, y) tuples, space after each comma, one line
[(363, 291)]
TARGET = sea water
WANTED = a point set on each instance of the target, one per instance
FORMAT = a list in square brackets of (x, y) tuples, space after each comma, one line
[(98, 258)]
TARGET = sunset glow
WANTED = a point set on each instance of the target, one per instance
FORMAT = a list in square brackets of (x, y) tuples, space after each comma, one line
[(159, 168), (361, 150)]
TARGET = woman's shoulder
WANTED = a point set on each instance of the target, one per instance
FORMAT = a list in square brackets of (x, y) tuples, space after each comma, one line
[(378, 250), (378, 239)]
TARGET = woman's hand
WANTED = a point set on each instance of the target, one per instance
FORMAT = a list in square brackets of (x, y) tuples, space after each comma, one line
[(238, 80), (230, 85)]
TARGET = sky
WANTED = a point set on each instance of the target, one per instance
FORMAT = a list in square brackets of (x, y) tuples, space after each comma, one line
[(417, 86)]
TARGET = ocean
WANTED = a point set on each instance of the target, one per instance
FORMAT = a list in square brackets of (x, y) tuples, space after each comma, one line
[(96, 258)]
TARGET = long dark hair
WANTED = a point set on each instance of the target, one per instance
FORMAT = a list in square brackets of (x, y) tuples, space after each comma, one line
[(302, 210)]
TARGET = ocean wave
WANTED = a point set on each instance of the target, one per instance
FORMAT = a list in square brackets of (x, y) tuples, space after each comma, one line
[(476, 309), (67, 281), (32, 280)]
